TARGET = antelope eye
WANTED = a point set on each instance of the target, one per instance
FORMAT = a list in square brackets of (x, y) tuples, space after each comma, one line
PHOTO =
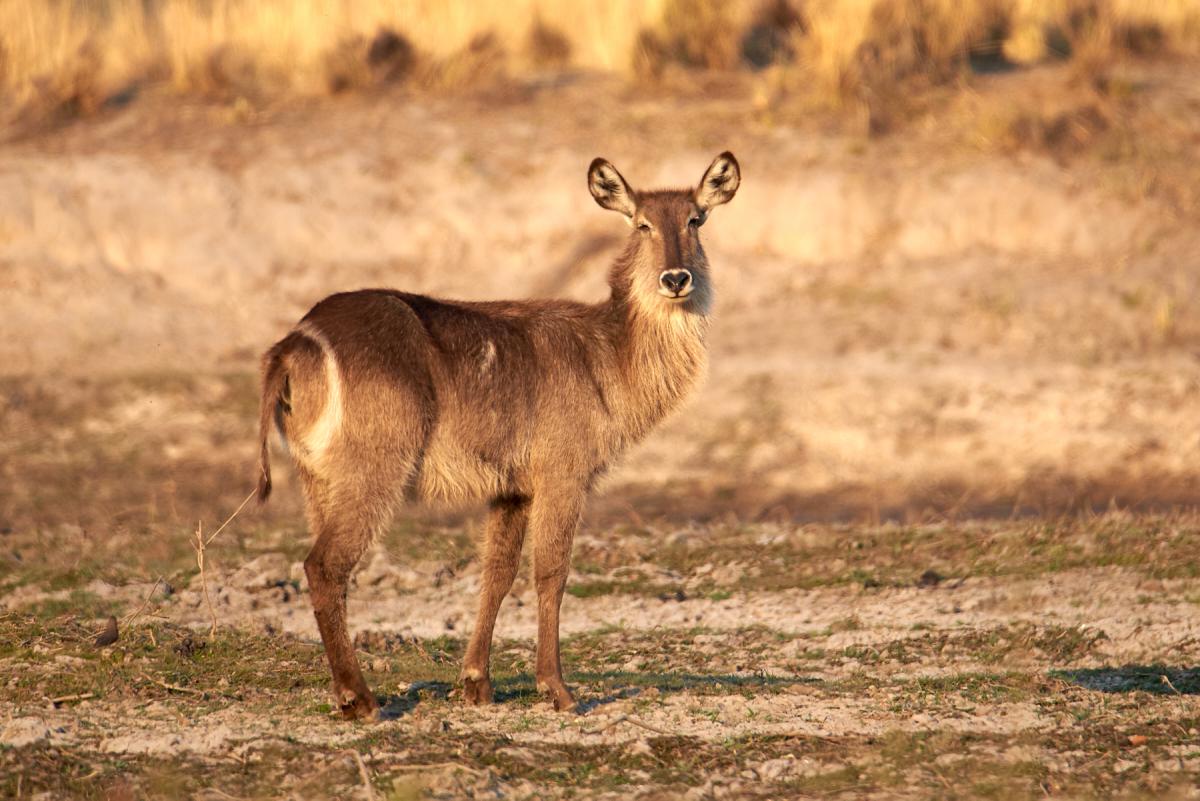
[(696, 222), (644, 227)]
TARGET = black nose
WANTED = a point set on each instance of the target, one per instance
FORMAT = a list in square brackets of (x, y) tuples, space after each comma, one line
[(675, 281)]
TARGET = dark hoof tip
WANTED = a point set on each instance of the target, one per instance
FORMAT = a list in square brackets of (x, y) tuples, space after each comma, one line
[(477, 692), (355, 707)]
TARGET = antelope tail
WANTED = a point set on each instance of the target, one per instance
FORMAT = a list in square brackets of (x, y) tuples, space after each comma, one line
[(274, 401)]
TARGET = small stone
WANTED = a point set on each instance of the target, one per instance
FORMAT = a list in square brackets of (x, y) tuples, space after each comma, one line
[(727, 575), (188, 647), (641, 747), (679, 538), (24, 731), (443, 574), (268, 570), (378, 571), (930, 578), (774, 769)]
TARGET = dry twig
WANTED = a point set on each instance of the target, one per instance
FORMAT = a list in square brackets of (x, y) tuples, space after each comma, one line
[(362, 772), (200, 544), (619, 719), (223, 794), (436, 766), (229, 519), (128, 619), (172, 687), (198, 547), (62, 699)]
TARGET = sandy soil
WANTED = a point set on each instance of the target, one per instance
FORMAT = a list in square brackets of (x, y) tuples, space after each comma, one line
[(1028, 674)]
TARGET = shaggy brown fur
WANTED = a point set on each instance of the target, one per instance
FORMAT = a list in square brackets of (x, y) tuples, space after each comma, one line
[(385, 397)]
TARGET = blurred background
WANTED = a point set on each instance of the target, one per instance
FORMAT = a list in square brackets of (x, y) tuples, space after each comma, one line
[(959, 280)]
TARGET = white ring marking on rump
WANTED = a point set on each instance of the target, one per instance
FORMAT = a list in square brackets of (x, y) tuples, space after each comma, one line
[(318, 438)]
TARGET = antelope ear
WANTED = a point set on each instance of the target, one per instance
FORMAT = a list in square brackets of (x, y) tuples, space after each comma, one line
[(610, 189), (720, 182)]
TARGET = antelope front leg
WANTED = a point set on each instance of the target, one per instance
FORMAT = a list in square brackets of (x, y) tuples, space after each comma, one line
[(502, 542), (554, 520)]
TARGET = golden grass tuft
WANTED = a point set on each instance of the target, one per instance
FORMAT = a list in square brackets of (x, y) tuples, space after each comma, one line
[(547, 46), (357, 62), (483, 60), (702, 33)]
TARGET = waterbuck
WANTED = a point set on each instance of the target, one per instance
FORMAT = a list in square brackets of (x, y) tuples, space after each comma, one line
[(385, 397)]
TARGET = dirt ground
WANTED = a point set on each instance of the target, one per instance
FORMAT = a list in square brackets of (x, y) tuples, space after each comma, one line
[(927, 531), (751, 660)]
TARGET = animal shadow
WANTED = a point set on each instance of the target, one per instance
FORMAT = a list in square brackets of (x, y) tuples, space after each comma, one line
[(593, 690), (1157, 679), (393, 707), (520, 690), (617, 685)]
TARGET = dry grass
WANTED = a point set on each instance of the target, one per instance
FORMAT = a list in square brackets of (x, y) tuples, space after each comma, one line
[(857, 49), (290, 44), (79, 54)]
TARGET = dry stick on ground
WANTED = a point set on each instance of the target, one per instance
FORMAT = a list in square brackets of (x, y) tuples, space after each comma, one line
[(62, 699), (436, 766), (189, 690), (200, 544), (173, 687), (362, 772), (334, 763), (619, 719), (222, 793)]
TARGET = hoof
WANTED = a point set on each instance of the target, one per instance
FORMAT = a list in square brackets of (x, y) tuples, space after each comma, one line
[(563, 702), (358, 707), (559, 695), (477, 691)]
